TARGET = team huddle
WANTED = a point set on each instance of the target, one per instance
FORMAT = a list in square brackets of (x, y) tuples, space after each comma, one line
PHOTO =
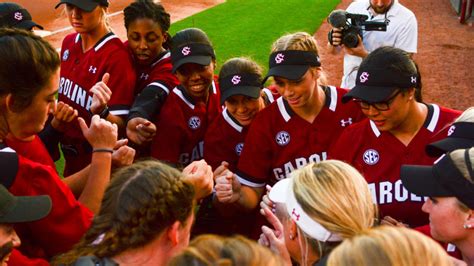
[(159, 149)]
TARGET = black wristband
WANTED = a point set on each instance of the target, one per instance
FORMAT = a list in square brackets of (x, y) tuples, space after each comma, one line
[(103, 114), (102, 150)]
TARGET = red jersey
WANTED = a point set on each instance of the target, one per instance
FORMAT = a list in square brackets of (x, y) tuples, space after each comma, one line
[(18, 259), (181, 126), (279, 141), (82, 70), (379, 156), (225, 138), (68, 220), (157, 74)]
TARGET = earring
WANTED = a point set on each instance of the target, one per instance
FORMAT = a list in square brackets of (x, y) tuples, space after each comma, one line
[(291, 237), (467, 226)]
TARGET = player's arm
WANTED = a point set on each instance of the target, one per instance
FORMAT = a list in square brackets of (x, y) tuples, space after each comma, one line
[(102, 136), (230, 192), (148, 104)]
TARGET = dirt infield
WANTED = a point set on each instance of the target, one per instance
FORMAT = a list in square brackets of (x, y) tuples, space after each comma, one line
[(445, 53)]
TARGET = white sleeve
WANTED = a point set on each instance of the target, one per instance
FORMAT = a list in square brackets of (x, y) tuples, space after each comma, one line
[(407, 38)]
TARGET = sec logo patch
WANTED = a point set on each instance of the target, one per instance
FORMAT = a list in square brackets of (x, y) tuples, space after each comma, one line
[(238, 148), (65, 55), (194, 122), (371, 157), (282, 138)]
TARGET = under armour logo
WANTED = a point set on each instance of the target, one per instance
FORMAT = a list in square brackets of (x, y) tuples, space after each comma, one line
[(451, 130), (364, 77), (413, 80), (18, 16), (296, 215), (144, 76), (347, 122), (279, 58), (235, 80), (186, 50), (92, 69)]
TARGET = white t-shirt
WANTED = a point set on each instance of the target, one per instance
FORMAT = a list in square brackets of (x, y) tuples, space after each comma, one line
[(402, 32)]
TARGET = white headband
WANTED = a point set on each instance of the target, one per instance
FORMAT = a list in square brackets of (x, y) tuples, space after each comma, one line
[(282, 192)]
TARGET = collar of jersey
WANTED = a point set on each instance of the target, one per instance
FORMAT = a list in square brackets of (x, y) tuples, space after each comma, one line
[(287, 112), (189, 99), (160, 57), (231, 120), (107, 37), (430, 123)]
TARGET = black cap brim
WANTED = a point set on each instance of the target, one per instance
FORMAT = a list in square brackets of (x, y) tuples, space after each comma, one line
[(203, 60), (27, 209), (87, 6), (291, 72), (421, 181), (448, 144), (369, 94), (250, 91), (28, 25)]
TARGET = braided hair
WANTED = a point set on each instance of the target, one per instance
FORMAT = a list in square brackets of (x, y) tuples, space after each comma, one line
[(140, 203), (148, 9)]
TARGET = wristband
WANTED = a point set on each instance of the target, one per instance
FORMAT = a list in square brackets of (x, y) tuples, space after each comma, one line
[(103, 150), (103, 114)]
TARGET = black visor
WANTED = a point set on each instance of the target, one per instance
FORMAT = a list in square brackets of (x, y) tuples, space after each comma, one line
[(240, 84), (196, 53), (460, 136), (291, 64)]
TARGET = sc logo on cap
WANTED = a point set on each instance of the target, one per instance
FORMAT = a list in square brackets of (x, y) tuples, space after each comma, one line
[(371, 157), (18, 16), (235, 80), (451, 130), (186, 50), (364, 77), (279, 58)]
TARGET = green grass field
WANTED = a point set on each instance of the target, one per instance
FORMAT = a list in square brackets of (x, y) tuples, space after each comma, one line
[(249, 27)]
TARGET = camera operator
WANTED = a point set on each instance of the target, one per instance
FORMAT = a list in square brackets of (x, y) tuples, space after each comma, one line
[(402, 33)]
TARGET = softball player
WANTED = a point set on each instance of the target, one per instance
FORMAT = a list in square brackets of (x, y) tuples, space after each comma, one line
[(28, 97), (243, 97), (294, 130), (147, 26), (192, 105), (400, 125), (97, 76), (240, 80)]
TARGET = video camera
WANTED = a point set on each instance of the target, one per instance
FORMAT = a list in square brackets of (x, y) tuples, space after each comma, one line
[(352, 25)]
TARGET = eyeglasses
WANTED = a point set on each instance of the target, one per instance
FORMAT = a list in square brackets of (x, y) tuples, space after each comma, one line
[(380, 106)]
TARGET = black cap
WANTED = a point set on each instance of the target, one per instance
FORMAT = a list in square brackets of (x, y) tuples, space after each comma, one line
[(460, 136), (291, 64), (240, 84), (197, 53), (86, 5), (443, 179), (377, 81), (14, 209), (14, 16)]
